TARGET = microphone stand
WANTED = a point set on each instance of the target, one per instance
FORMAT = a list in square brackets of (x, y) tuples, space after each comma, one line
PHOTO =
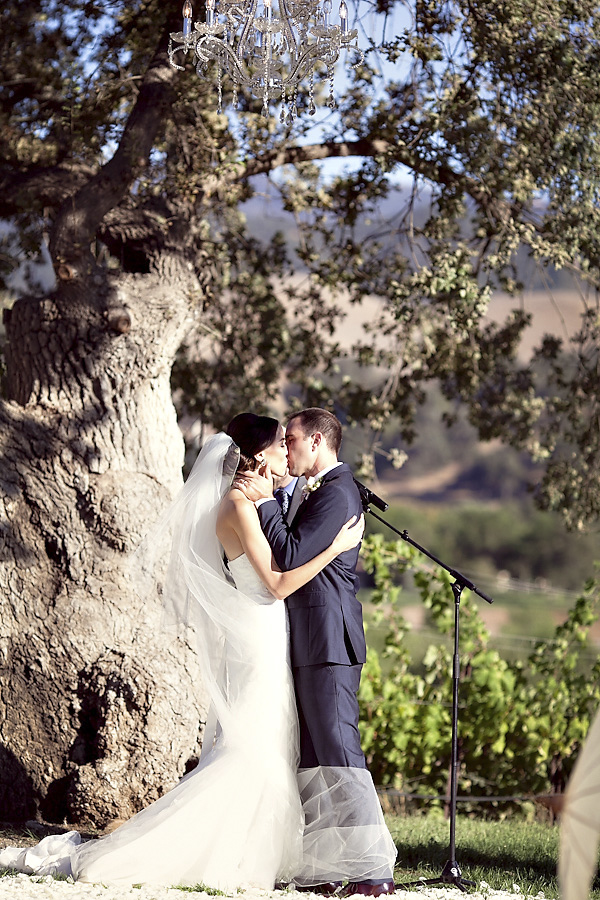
[(451, 873)]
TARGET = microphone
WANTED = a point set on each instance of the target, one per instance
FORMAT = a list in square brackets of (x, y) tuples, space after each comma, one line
[(368, 497)]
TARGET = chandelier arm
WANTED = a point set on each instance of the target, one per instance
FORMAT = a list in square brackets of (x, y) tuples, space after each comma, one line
[(249, 19), (235, 16), (311, 54), (237, 67), (287, 28), (183, 48), (203, 49), (327, 52)]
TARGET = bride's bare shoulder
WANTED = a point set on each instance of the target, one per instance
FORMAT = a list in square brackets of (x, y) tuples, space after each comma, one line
[(233, 502)]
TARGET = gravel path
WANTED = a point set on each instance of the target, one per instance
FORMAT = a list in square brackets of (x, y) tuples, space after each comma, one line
[(32, 887), (29, 887)]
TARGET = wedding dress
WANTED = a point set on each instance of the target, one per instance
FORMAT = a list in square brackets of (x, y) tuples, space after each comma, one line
[(236, 820)]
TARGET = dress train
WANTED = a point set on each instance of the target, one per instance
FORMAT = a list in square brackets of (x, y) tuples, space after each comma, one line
[(234, 821)]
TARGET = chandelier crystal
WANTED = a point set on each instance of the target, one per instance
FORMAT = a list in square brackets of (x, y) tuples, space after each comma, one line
[(267, 53)]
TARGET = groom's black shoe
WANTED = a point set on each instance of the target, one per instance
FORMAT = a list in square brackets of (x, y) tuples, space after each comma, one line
[(368, 890), (329, 889)]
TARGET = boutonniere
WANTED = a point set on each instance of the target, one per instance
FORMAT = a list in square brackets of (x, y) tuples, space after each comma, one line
[(311, 485)]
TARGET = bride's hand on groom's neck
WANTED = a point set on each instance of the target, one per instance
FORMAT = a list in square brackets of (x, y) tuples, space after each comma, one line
[(256, 485)]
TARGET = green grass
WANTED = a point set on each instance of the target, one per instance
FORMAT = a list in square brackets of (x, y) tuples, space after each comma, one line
[(497, 854)]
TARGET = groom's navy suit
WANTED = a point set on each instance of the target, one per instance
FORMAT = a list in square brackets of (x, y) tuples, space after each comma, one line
[(345, 837), (326, 627)]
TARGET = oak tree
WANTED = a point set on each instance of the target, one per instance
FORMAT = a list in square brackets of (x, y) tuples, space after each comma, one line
[(476, 122)]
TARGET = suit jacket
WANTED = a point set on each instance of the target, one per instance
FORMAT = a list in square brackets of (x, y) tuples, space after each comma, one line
[(326, 623)]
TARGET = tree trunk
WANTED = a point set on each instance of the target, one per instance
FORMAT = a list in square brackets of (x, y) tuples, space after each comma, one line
[(99, 711)]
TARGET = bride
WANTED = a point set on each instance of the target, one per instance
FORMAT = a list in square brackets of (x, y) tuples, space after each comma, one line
[(236, 820)]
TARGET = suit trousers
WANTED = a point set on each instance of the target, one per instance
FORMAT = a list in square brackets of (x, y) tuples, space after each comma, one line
[(328, 715), (330, 741)]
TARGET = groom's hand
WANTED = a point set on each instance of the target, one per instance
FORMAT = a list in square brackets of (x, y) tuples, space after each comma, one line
[(255, 485)]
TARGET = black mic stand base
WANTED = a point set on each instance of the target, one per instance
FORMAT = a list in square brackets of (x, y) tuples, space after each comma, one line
[(451, 874)]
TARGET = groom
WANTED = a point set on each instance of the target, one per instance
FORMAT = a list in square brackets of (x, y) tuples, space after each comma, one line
[(342, 812)]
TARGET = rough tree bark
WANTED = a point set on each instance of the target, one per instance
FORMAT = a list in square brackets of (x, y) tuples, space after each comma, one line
[(99, 711)]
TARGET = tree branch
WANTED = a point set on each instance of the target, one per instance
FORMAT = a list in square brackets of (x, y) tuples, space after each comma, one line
[(78, 219), (329, 150), (436, 172), (41, 187)]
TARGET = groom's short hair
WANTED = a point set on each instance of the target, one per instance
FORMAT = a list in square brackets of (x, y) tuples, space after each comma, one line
[(315, 419)]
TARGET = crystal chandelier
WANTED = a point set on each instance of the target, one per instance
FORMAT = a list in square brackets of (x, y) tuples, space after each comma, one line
[(270, 53)]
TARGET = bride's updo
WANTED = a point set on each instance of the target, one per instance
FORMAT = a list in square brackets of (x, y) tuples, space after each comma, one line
[(252, 434)]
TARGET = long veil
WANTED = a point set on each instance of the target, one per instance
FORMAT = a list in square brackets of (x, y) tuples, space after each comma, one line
[(202, 605)]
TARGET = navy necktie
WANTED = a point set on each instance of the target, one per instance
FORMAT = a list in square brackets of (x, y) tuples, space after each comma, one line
[(283, 498)]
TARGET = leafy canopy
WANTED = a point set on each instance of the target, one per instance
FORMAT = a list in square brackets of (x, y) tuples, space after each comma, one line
[(474, 132)]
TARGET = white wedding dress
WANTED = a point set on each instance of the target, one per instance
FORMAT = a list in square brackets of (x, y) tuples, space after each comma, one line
[(236, 819)]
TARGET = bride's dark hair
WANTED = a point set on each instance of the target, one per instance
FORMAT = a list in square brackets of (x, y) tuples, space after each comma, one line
[(252, 434)]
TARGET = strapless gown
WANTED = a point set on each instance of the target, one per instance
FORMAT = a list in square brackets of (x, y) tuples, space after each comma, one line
[(236, 820)]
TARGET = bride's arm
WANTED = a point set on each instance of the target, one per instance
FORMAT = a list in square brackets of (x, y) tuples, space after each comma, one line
[(243, 519)]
